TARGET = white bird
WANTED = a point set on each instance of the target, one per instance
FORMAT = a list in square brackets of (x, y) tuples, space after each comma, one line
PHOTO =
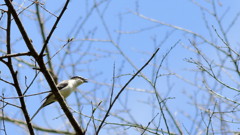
[(65, 87)]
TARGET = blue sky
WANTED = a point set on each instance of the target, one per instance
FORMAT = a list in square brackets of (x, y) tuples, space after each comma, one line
[(138, 39)]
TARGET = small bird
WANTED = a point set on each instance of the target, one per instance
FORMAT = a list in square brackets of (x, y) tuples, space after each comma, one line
[(65, 87)]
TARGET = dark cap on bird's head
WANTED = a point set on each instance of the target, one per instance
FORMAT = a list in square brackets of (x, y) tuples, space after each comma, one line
[(81, 78)]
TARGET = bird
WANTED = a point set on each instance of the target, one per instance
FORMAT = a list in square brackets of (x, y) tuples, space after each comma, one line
[(65, 87)]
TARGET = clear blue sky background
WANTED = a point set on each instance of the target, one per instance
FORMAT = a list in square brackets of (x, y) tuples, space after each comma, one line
[(136, 41)]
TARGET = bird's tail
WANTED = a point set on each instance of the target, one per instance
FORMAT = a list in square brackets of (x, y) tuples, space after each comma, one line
[(36, 112)]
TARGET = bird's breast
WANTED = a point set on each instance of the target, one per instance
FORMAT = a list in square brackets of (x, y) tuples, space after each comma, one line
[(66, 92)]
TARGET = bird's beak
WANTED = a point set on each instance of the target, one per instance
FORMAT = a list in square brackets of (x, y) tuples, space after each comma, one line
[(85, 81)]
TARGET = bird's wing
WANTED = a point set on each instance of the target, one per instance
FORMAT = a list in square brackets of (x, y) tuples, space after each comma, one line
[(60, 86)]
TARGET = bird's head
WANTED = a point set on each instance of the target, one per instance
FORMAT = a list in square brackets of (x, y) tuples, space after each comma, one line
[(79, 79)]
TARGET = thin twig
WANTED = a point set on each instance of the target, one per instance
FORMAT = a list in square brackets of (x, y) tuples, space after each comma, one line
[(123, 88), (54, 27), (25, 95), (42, 129), (7, 103), (15, 55)]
